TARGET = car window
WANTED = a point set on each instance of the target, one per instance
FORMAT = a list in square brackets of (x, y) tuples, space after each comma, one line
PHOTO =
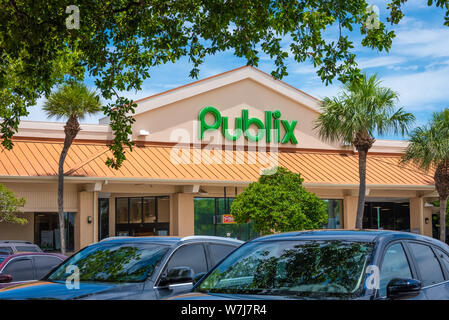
[(191, 255), (19, 269), (27, 249), (427, 263), (219, 251), (444, 258), (44, 264), (394, 265), (316, 269), (113, 262), (7, 250)]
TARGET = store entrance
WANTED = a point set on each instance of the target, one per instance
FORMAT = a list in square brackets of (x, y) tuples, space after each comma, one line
[(387, 215), (142, 216)]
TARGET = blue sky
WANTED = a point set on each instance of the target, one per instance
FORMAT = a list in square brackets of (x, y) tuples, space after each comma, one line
[(417, 66)]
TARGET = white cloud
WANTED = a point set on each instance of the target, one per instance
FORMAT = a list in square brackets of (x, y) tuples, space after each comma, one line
[(388, 61), (422, 43), (422, 89)]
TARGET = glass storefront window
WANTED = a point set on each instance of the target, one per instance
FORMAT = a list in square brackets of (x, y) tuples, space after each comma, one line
[(46, 231), (103, 213), (121, 210), (211, 215), (145, 216), (149, 210), (135, 210), (335, 214), (387, 216)]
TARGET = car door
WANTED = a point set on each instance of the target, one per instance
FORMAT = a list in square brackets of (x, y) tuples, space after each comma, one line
[(433, 281), (188, 255), (20, 268), (395, 264)]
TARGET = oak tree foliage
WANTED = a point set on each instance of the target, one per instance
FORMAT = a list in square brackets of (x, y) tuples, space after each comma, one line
[(120, 42)]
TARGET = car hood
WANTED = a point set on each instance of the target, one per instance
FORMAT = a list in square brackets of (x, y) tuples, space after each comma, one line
[(223, 296), (58, 290)]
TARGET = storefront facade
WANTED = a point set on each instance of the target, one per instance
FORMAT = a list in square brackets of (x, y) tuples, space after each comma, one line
[(196, 148)]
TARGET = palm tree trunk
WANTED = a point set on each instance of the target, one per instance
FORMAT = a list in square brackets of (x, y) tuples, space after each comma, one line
[(61, 199), (362, 189), (443, 205), (441, 178), (71, 129)]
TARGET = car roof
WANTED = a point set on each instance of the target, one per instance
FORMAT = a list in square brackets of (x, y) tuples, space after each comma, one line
[(171, 240), (349, 235), (18, 254), (16, 241)]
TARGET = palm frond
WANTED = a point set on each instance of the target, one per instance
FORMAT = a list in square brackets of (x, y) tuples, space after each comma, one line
[(363, 106), (73, 99)]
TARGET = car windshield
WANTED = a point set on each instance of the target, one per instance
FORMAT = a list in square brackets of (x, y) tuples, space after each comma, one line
[(112, 262), (314, 269)]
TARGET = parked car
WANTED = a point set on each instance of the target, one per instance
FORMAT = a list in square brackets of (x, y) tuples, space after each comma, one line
[(331, 265), (14, 246), (130, 268), (23, 267)]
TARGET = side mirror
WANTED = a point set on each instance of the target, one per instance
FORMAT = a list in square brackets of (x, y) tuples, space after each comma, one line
[(403, 288), (5, 278), (177, 275)]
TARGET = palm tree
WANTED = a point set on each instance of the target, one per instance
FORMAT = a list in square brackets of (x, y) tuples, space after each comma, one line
[(363, 108), (429, 149), (73, 101)]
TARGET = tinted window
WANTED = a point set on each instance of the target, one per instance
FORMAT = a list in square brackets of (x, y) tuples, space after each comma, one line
[(427, 263), (192, 256), (316, 269), (444, 258), (394, 265), (44, 264), (6, 250), (27, 249), (113, 262), (20, 270), (219, 251)]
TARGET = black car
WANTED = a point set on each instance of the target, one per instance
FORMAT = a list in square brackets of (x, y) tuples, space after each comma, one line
[(129, 268), (325, 264)]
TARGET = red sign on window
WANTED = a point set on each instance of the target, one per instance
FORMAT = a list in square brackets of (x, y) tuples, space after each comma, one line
[(228, 218)]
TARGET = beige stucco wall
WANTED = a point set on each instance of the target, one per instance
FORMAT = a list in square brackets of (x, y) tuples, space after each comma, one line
[(417, 215), (349, 211), (43, 197), (12, 231), (183, 215), (181, 117), (84, 231)]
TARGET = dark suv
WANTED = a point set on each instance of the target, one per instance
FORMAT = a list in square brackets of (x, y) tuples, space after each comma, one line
[(129, 268), (325, 264)]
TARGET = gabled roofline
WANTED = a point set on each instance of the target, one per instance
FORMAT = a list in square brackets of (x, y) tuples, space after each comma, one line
[(232, 76)]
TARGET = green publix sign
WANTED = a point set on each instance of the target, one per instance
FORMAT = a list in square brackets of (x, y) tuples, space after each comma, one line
[(269, 129)]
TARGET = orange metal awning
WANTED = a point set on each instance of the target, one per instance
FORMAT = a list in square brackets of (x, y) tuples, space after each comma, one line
[(159, 162)]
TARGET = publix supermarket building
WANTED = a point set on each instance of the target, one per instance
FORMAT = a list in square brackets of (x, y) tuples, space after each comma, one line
[(196, 148)]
